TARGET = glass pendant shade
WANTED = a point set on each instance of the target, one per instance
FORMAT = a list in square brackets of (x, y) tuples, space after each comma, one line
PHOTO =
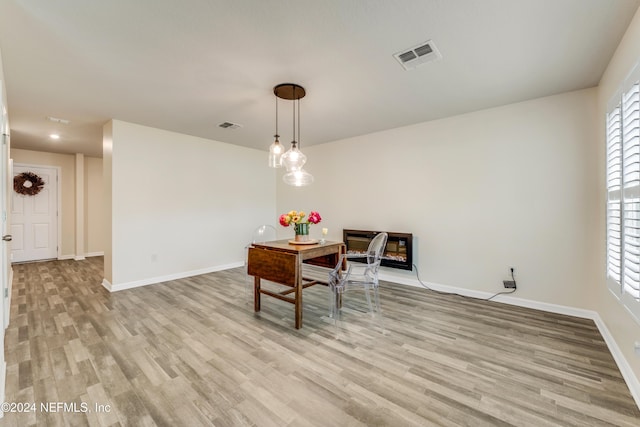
[(275, 154), (293, 159), (298, 178)]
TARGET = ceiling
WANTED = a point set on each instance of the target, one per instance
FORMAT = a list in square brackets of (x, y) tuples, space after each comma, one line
[(187, 66)]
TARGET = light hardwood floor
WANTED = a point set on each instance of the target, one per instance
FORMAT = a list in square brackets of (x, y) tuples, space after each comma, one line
[(192, 352)]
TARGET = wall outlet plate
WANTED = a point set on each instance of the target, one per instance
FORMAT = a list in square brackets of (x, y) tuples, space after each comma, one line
[(509, 284)]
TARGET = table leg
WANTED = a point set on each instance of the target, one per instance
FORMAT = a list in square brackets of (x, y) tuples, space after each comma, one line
[(298, 297), (256, 293)]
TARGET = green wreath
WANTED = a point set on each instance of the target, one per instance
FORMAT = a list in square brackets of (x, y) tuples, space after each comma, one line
[(27, 183)]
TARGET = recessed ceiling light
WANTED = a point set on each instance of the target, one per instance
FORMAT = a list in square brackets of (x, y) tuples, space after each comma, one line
[(54, 136)]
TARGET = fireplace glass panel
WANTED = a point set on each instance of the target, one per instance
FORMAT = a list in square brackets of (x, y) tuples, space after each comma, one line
[(397, 254)]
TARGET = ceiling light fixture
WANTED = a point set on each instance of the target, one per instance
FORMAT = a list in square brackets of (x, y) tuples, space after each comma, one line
[(293, 160), (54, 136), (276, 149)]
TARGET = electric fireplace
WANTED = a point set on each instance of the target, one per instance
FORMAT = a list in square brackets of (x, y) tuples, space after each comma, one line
[(397, 254)]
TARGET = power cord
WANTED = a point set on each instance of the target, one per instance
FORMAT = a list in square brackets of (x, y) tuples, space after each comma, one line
[(464, 296)]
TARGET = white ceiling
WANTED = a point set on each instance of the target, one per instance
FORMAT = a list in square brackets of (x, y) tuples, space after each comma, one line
[(188, 65)]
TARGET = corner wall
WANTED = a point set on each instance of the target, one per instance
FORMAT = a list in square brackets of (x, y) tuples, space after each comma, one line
[(180, 205), (624, 329), (94, 215)]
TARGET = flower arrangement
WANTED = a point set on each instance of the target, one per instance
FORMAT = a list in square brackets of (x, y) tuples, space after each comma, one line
[(300, 223), (295, 218)]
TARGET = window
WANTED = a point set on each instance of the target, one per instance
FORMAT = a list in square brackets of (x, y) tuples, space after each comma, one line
[(623, 193)]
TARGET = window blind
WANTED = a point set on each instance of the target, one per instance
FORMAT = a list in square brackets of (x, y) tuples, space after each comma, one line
[(614, 200), (631, 189), (623, 192)]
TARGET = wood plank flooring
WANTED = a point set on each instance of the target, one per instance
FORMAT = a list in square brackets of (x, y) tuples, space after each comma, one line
[(192, 352)]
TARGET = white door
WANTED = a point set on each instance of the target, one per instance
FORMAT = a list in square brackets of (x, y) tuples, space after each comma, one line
[(34, 224), (5, 245), (5, 264)]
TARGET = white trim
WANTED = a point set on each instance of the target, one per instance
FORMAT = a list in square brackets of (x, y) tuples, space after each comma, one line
[(537, 305), (80, 258), (621, 361), (625, 369), (144, 282)]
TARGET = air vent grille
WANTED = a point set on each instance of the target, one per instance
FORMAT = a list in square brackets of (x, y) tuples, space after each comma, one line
[(418, 55), (423, 50), (229, 125), (407, 56)]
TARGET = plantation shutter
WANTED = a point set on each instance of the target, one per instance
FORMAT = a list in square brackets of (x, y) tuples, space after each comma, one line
[(614, 192), (630, 112)]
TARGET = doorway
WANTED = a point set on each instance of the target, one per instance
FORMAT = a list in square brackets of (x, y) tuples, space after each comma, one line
[(34, 217)]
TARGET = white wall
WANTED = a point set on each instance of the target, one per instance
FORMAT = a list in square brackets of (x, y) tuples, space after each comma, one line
[(180, 205), (94, 216), (107, 199), (621, 325), (508, 186)]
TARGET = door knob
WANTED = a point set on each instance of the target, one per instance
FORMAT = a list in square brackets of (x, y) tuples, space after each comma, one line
[(7, 237)]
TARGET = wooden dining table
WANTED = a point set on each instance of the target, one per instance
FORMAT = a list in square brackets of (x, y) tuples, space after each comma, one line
[(282, 262)]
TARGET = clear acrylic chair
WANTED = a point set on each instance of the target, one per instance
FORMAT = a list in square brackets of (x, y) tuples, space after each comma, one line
[(363, 274), (264, 233)]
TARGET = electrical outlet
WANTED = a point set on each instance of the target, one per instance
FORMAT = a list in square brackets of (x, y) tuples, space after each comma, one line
[(509, 284)]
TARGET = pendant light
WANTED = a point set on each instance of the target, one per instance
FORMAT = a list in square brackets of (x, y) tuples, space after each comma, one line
[(276, 149), (293, 160), (298, 178)]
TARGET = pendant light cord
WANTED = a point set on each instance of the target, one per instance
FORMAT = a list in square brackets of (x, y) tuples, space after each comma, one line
[(298, 101), (294, 117)]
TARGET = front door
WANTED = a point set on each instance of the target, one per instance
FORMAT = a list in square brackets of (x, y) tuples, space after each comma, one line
[(5, 245), (34, 225)]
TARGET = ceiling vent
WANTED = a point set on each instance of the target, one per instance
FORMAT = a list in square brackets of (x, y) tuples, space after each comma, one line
[(57, 120), (229, 125), (418, 55)]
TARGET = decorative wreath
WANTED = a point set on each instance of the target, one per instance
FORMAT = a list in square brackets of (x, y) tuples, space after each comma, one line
[(27, 183)]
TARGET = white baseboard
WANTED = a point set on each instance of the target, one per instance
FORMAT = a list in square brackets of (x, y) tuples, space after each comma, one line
[(625, 369), (621, 361), (80, 257), (553, 308), (137, 283)]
